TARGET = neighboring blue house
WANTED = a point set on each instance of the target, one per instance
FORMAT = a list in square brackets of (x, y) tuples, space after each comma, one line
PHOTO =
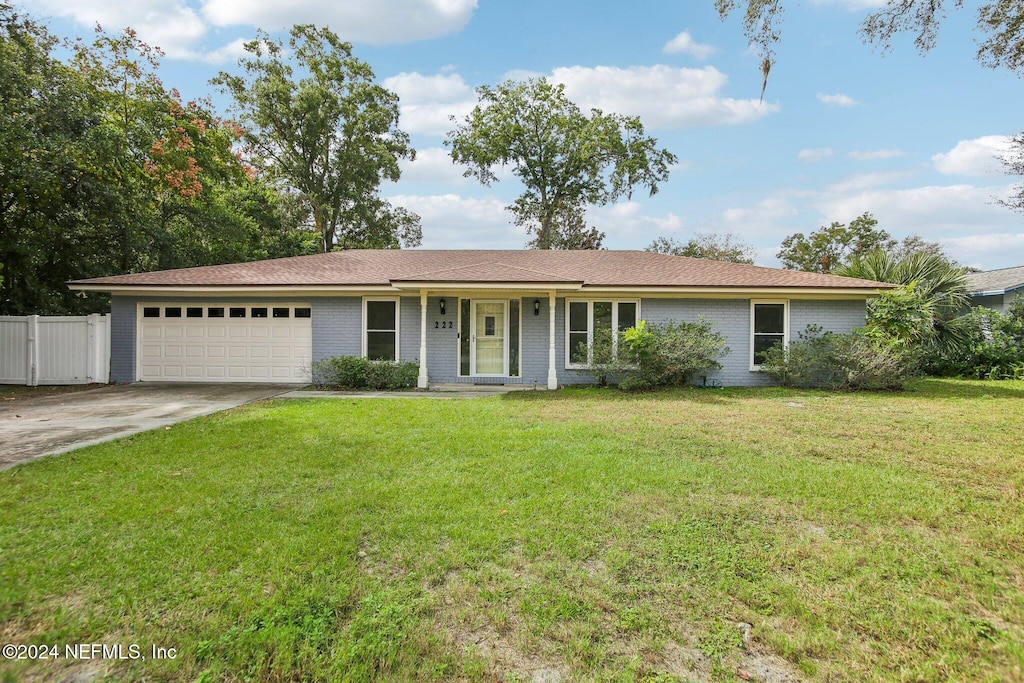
[(501, 317), (996, 289)]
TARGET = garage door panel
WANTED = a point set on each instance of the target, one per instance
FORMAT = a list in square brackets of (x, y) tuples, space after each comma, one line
[(225, 349)]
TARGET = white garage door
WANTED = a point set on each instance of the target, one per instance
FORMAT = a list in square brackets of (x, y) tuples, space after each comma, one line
[(224, 342)]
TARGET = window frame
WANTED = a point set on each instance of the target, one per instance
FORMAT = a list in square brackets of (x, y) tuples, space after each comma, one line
[(398, 323), (785, 326), (569, 365)]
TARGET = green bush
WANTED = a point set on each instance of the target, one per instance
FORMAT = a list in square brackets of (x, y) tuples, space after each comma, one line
[(847, 362), (353, 372), (650, 356), (991, 346)]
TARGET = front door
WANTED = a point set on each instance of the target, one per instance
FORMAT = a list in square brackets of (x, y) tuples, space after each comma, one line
[(489, 334)]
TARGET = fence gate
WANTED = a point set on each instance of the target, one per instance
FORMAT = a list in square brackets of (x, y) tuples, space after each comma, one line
[(54, 349)]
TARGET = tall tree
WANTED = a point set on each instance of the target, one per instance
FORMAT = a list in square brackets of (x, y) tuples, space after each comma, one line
[(934, 289), (1001, 22), (831, 246), (329, 132), (707, 245), (567, 160), (52, 195), (1014, 164)]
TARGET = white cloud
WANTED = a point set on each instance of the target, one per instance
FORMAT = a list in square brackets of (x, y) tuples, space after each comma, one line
[(837, 100), (226, 53), (873, 154), (432, 165), (988, 250), (453, 222), (626, 226), (429, 102), (685, 44), (378, 22), (977, 157), (179, 27), (812, 155), (931, 211), (662, 96), (859, 182), (767, 217), (169, 24)]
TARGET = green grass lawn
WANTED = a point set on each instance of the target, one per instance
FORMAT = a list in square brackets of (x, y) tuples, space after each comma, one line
[(603, 535)]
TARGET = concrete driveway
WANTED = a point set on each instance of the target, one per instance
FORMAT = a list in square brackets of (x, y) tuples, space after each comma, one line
[(34, 427)]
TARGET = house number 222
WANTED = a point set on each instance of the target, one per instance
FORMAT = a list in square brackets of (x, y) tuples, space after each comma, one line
[(444, 325)]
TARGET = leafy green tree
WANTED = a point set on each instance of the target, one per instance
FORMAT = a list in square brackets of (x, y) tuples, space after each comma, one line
[(831, 246), (1013, 162), (915, 244), (704, 245), (53, 192), (318, 123), (567, 160), (1001, 22)]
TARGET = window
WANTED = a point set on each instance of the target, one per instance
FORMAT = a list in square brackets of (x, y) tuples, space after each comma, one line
[(464, 336), (282, 312), (151, 312), (769, 326), (172, 312), (215, 312), (588, 321), (513, 338), (380, 322), (259, 312), (303, 312), (237, 312), (194, 312)]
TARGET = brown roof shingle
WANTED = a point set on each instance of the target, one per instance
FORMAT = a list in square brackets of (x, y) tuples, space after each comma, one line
[(382, 267)]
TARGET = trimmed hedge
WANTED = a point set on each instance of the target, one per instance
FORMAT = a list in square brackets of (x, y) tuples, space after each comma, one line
[(353, 372)]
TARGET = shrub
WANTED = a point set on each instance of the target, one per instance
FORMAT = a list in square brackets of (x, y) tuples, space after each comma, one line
[(847, 362), (991, 346), (652, 356), (671, 353), (353, 372), (904, 315)]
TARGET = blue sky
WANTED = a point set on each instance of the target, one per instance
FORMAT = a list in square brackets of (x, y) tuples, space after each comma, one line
[(842, 130)]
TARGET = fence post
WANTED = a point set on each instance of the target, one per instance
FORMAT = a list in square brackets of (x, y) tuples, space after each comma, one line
[(90, 372), (32, 330)]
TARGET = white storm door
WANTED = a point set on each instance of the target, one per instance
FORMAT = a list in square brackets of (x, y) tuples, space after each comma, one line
[(489, 332)]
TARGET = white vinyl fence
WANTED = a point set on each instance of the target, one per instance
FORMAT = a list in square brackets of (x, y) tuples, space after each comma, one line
[(54, 349)]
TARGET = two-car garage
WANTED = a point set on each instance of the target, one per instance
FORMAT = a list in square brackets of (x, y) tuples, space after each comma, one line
[(224, 341)]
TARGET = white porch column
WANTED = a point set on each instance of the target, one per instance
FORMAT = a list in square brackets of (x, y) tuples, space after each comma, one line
[(422, 381), (552, 375)]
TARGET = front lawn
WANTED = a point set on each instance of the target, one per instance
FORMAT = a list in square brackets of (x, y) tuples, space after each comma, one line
[(600, 535)]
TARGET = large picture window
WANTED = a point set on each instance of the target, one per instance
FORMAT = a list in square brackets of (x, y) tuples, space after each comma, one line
[(589, 321), (380, 329), (769, 326)]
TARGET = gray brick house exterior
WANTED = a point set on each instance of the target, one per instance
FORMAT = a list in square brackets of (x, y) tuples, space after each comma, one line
[(665, 288)]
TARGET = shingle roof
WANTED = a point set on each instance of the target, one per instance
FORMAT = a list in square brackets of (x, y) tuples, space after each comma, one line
[(371, 267), (996, 281)]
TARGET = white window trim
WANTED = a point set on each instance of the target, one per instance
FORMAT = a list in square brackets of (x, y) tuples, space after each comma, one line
[(398, 323), (785, 326), (590, 322)]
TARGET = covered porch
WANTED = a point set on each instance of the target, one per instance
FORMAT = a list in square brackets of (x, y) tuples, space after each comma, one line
[(496, 334)]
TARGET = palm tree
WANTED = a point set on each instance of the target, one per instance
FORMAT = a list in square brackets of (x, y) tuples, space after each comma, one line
[(940, 282), (942, 286)]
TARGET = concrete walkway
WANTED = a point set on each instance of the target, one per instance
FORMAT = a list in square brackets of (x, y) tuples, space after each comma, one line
[(33, 427)]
